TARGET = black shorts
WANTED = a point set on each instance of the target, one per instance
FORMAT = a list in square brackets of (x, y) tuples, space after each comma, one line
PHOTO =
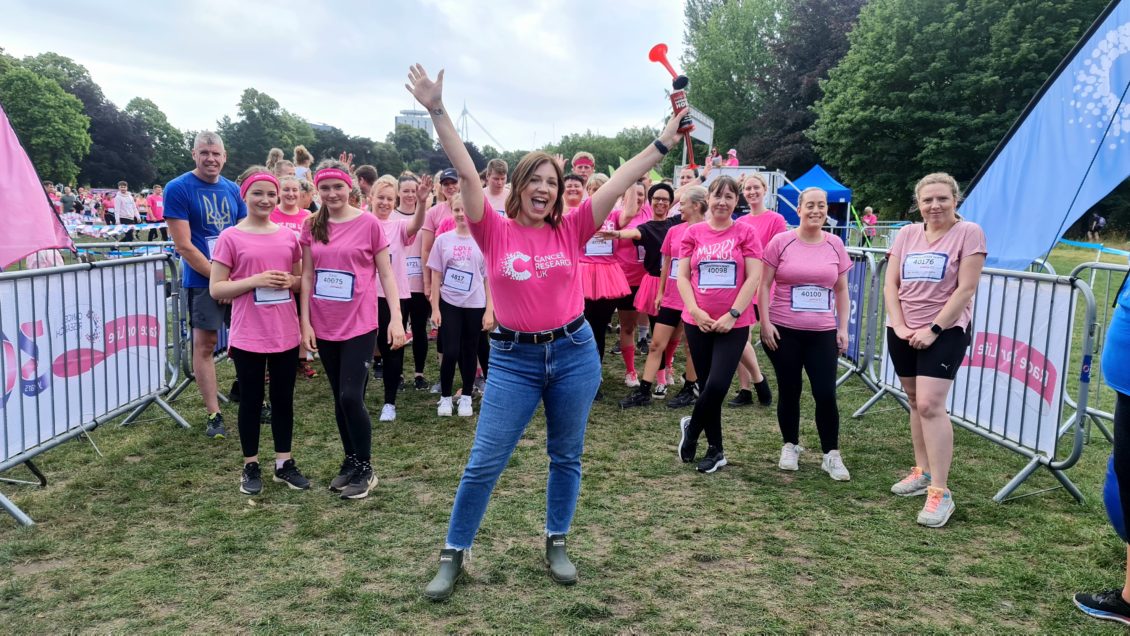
[(627, 303), (941, 360), (204, 312), (669, 317)]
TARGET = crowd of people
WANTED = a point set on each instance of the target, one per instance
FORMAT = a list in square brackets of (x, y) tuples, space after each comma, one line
[(523, 274)]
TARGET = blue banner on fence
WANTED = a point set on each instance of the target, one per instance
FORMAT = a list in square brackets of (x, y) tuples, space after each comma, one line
[(857, 281)]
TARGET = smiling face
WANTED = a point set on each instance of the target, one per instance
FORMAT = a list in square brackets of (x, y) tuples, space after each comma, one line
[(538, 194), (686, 176), (813, 209), (291, 194), (937, 204), (261, 199), (383, 200), (449, 188), (660, 204), (334, 194), (722, 200), (210, 160), (407, 192), (574, 193), (754, 192)]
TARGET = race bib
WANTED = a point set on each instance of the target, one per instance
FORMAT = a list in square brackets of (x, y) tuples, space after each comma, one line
[(717, 275), (598, 247), (640, 253), (271, 295), (928, 266), (457, 279), (333, 284), (414, 268), (211, 242), (811, 298), (674, 269)]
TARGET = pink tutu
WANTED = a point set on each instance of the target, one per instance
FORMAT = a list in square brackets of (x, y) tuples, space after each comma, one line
[(603, 280), (645, 297)]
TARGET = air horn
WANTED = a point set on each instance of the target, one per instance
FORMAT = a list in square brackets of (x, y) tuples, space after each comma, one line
[(658, 53)]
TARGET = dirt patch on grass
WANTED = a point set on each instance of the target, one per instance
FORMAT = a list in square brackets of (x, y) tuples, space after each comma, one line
[(31, 568)]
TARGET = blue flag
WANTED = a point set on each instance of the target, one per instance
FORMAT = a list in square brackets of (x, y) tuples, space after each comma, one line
[(1066, 152)]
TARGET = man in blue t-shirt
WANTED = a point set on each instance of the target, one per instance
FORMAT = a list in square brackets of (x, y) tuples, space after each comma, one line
[(198, 206)]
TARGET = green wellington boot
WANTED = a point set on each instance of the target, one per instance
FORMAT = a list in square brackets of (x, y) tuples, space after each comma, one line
[(561, 569), (450, 567)]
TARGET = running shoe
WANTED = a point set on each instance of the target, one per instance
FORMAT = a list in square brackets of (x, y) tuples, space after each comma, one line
[(436, 388), (631, 379), (687, 396), (764, 393), (790, 456), (913, 484), (363, 481), (444, 408), (420, 383), (743, 398), (688, 445), (378, 369), (642, 346), (388, 413), (638, 397), (215, 426), (1107, 606), (833, 464), (480, 386), (464, 409), (659, 392), (344, 474), (713, 461), (290, 475), (265, 414), (251, 480), (938, 509)]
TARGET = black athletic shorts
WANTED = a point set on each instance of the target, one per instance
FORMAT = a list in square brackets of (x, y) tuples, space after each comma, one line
[(669, 317), (628, 303), (940, 360)]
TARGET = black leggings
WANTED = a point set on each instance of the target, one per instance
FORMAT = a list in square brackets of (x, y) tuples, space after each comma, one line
[(484, 352), (417, 310), (716, 357), (1122, 452), (816, 353), (598, 313), (393, 359), (461, 329), (249, 368), (347, 367), (164, 233)]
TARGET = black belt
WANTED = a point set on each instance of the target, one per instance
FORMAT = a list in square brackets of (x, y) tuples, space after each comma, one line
[(537, 337)]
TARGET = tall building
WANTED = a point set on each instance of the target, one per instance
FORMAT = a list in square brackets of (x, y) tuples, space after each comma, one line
[(416, 119)]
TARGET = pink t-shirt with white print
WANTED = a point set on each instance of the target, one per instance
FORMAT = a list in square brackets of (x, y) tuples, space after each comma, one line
[(717, 263), (672, 244), (928, 271), (343, 302), (533, 271), (628, 254), (396, 231), (292, 222), (597, 249), (264, 320), (805, 280), (462, 269)]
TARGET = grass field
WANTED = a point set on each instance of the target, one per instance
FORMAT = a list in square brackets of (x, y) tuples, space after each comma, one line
[(156, 537)]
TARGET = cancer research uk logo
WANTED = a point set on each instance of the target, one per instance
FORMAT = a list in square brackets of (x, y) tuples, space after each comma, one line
[(516, 265), (1098, 89)]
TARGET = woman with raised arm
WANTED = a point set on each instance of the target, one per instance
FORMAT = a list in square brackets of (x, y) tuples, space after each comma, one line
[(542, 349)]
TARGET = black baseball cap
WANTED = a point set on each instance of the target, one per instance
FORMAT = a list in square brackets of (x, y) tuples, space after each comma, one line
[(448, 175)]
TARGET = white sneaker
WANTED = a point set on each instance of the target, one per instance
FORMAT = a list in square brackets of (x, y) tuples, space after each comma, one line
[(913, 484), (938, 509), (465, 406), (631, 379), (833, 464), (790, 453), (388, 413), (444, 409)]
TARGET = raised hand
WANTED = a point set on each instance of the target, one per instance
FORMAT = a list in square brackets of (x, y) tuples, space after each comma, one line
[(347, 159), (427, 92), (559, 159)]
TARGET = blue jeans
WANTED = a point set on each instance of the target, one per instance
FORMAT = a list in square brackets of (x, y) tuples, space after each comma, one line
[(565, 374)]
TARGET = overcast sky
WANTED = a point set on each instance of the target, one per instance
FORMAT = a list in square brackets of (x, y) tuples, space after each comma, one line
[(530, 71)]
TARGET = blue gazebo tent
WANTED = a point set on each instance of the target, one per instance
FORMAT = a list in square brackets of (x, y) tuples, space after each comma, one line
[(839, 196)]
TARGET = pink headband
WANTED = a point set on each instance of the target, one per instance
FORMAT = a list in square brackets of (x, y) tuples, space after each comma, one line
[(582, 161), (332, 173), (255, 178)]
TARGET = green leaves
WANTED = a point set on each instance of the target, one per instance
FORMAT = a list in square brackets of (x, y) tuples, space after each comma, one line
[(48, 121)]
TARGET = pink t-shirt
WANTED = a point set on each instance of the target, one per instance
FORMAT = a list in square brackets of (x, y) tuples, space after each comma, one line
[(671, 246), (533, 271), (343, 302), (805, 280), (597, 249), (435, 216), (413, 263), (445, 226), (156, 207), (292, 222), (264, 320), (462, 269), (396, 231), (628, 254), (496, 202), (928, 271), (717, 260), (765, 225), (869, 220)]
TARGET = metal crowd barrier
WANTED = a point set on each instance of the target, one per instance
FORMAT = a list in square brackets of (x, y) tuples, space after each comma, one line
[(1104, 280), (1013, 389), (81, 345), (858, 360)]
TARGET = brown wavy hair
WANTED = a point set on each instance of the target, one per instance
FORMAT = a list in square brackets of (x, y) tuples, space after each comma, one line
[(523, 174)]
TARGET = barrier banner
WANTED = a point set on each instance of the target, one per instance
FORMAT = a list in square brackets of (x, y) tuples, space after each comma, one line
[(857, 290), (1012, 380), (75, 345)]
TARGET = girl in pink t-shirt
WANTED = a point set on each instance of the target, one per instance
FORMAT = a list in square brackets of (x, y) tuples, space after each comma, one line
[(462, 309), (401, 232), (256, 266), (417, 309), (542, 350), (804, 309), (344, 250), (932, 274), (719, 268)]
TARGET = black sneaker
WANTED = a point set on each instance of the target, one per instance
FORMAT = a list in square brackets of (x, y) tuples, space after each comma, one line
[(251, 481), (642, 346), (265, 414), (688, 444), (764, 393), (1107, 606), (687, 396), (638, 397), (713, 461), (378, 369), (233, 394), (363, 481), (215, 426), (344, 474), (660, 391), (743, 398), (421, 383), (616, 347), (290, 476)]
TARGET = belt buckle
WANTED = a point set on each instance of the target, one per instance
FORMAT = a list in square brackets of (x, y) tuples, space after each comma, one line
[(548, 335)]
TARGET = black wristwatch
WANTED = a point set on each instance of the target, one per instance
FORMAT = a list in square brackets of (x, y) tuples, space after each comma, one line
[(936, 328), (735, 313)]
